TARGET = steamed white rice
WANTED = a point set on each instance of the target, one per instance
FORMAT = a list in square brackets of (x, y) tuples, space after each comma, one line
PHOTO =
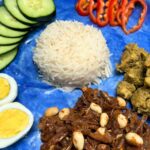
[(71, 55)]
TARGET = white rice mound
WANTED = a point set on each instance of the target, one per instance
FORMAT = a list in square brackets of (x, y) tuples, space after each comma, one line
[(71, 55)]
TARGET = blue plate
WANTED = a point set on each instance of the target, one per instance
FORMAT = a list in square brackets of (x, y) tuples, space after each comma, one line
[(37, 96)]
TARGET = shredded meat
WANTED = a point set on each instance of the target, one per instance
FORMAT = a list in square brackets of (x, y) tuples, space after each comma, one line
[(56, 134)]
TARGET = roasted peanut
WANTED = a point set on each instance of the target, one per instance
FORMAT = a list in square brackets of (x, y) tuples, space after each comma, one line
[(122, 121), (63, 113), (96, 108), (121, 102), (104, 118), (102, 135), (134, 139), (103, 147), (51, 111), (119, 136), (78, 140), (101, 130)]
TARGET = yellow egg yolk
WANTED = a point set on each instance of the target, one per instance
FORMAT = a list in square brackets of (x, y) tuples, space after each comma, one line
[(12, 122), (4, 88)]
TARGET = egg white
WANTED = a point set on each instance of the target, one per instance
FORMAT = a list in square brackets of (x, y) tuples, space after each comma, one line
[(9, 141), (13, 89)]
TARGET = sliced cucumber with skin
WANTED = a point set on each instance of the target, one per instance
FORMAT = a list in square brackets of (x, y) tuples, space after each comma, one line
[(12, 7), (7, 48), (9, 41), (37, 9), (8, 20), (7, 32), (7, 58)]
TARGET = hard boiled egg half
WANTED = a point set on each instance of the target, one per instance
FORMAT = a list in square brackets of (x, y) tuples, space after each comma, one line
[(8, 89), (15, 121)]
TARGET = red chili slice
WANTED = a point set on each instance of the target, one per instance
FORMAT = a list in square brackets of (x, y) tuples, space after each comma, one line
[(122, 7), (92, 7), (127, 12), (102, 12), (82, 7), (113, 8)]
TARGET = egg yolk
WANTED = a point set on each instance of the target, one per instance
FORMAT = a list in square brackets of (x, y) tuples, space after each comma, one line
[(12, 122), (4, 88)]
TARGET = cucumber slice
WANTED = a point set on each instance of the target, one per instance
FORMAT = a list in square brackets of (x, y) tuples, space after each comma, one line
[(12, 7), (8, 20), (5, 31), (7, 58), (7, 48), (9, 41), (36, 9)]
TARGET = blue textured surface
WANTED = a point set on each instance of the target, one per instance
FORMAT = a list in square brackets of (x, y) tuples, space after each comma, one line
[(37, 96)]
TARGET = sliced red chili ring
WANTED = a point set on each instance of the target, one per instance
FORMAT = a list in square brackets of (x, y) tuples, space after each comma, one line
[(113, 7), (126, 14), (92, 7), (122, 7), (102, 12), (82, 7)]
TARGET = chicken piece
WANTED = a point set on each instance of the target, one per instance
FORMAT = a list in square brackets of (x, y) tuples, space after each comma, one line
[(148, 72), (141, 100), (131, 56), (135, 75), (147, 61), (147, 81), (125, 89)]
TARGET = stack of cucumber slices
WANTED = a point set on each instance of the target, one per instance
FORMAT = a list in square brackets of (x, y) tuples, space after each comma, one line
[(17, 18)]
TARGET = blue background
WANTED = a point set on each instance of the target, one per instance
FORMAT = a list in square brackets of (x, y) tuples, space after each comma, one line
[(37, 96)]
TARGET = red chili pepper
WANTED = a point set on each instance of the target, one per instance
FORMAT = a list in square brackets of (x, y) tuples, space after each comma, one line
[(102, 12), (127, 13), (113, 7), (92, 7), (122, 7), (82, 7)]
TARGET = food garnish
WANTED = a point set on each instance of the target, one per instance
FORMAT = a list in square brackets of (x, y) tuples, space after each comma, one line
[(13, 9), (82, 7), (16, 120), (102, 12), (7, 58), (14, 25), (127, 12), (85, 127), (112, 11), (135, 64), (71, 55)]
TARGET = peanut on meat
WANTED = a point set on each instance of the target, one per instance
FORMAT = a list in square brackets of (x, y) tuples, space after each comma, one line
[(104, 118), (122, 121), (119, 136), (78, 140), (96, 108), (101, 130), (134, 139), (121, 102), (63, 113), (51, 111)]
